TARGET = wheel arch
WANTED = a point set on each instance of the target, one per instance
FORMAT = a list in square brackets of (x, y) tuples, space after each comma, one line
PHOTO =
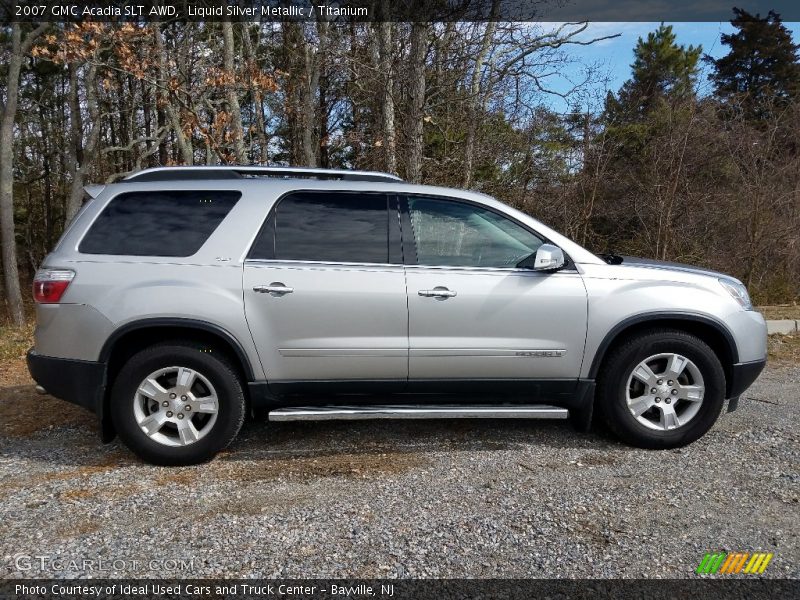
[(129, 339), (712, 331)]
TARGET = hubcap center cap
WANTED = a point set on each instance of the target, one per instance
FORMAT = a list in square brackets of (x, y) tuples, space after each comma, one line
[(175, 405)]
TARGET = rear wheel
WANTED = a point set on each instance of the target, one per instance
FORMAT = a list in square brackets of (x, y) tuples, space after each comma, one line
[(661, 389), (177, 404)]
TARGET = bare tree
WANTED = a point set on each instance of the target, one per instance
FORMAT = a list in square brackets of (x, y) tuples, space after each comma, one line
[(79, 156), (233, 99), (19, 48), (473, 100), (416, 113), (387, 94), (182, 141), (254, 74), (302, 81)]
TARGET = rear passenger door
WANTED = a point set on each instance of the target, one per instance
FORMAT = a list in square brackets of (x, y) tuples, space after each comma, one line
[(325, 293)]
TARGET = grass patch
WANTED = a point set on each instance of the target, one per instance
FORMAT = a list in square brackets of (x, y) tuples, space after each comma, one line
[(14, 341), (784, 348), (780, 312)]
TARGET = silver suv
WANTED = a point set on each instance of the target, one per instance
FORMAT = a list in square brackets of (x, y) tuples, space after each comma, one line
[(182, 299)]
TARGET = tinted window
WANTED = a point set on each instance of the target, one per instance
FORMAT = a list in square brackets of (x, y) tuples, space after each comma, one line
[(456, 234), (175, 223), (327, 227), (264, 246)]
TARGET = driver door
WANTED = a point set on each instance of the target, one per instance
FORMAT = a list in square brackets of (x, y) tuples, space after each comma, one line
[(473, 315)]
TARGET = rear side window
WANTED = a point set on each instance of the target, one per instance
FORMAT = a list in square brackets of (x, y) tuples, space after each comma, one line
[(169, 223), (326, 227)]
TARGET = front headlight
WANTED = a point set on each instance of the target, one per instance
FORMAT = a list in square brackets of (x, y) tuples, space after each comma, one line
[(738, 291)]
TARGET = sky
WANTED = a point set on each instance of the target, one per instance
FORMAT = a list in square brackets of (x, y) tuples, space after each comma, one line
[(611, 59)]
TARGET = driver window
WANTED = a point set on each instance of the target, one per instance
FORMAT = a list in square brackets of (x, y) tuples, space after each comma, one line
[(454, 234)]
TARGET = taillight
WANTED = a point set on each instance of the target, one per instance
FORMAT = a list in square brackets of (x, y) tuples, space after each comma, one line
[(50, 284)]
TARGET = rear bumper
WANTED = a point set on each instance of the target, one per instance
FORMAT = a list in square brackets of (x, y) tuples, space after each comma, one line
[(80, 382), (742, 377)]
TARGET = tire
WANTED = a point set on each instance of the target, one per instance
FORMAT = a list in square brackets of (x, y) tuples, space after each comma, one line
[(211, 404), (696, 398)]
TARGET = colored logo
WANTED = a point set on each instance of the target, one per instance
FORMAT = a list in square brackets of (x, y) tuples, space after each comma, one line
[(734, 562)]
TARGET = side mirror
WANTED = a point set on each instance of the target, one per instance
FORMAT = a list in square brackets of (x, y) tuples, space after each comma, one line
[(547, 258)]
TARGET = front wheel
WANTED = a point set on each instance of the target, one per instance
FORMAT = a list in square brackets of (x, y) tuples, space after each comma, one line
[(177, 404), (661, 389)]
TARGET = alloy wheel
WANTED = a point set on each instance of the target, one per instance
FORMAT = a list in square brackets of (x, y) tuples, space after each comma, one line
[(665, 391), (176, 406)]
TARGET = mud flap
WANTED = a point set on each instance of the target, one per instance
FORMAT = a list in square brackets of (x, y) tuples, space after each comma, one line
[(581, 415)]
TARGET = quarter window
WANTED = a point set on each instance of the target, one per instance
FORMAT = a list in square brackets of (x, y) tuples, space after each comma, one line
[(456, 234), (326, 227), (167, 223)]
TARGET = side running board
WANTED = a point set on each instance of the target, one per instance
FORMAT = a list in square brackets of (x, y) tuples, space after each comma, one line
[(357, 413)]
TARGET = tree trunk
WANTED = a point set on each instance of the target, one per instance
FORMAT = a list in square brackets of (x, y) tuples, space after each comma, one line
[(233, 101), (309, 90), (322, 84), (292, 44), (161, 122), (19, 48), (184, 144), (385, 52), (80, 166), (352, 87), (258, 97), (44, 117), (416, 113), (148, 120), (474, 99)]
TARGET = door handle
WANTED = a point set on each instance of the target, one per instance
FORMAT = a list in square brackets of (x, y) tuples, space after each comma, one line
[(437, 292), (276, 288)]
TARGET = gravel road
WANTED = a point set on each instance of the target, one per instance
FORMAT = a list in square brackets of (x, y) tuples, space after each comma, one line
[(400, 499)]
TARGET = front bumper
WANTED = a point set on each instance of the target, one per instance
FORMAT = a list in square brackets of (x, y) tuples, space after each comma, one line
[(742, 377), (80, 382)]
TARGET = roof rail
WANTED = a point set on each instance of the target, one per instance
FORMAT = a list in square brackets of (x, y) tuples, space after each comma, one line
[(243, 172)]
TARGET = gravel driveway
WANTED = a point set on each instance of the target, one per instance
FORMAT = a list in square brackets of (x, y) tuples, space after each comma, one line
[(401, 499)]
